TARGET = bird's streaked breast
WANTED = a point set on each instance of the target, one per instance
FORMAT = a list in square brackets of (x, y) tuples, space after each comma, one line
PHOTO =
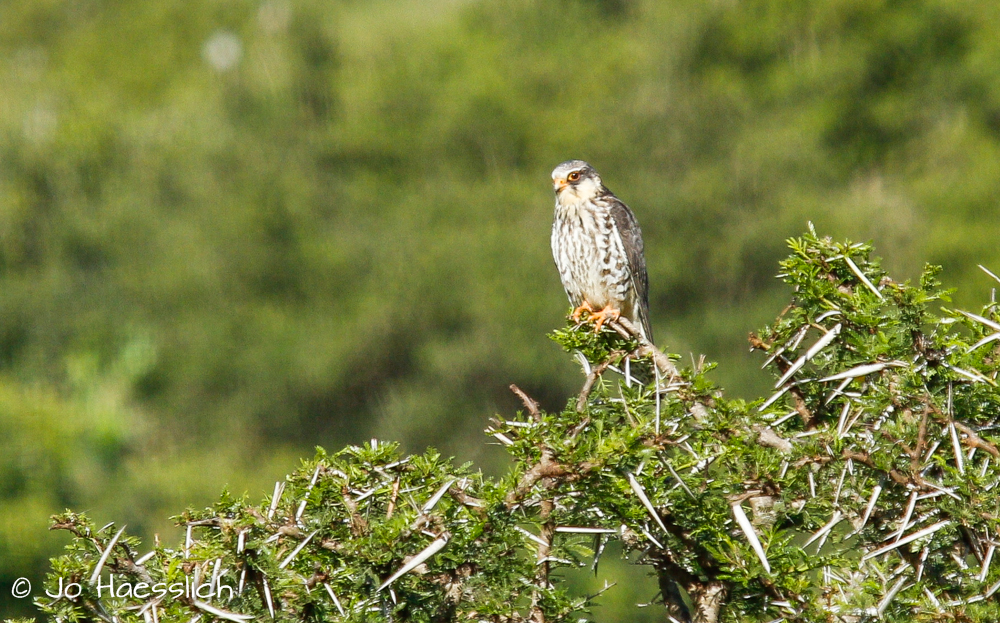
[(589, 254)]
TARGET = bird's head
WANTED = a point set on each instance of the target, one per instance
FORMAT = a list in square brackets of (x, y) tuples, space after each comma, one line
[(575, 181)]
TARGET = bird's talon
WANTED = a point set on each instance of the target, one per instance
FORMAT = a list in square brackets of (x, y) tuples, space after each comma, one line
[(579, 311), (603, 316)]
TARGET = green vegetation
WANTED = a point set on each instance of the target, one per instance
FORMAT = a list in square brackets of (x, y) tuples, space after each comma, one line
[(865, 488), (230, 231)]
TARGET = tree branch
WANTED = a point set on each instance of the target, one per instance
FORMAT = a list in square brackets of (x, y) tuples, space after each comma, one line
[(595, 373), (548, 531), (626, 329), (529, 403), (809, 420), (975, 441), (897, 476), (972, 439)]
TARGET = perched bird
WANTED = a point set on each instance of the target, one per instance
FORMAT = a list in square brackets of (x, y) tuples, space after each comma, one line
[(597, 246)]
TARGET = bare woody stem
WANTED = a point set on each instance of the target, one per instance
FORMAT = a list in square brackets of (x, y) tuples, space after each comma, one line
[(543, 566), (975, 441), (708, 600), (971, 439), (529, 403), (809, 420), (626, 329), (581, 401)]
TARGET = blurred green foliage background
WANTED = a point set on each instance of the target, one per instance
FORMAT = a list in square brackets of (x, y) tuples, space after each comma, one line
[(232, 230)]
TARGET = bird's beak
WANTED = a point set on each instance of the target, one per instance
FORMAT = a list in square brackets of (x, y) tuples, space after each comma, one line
[(559, 183)]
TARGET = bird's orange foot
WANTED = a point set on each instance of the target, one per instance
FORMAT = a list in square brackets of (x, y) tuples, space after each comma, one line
[(604, 315), (579, 311)]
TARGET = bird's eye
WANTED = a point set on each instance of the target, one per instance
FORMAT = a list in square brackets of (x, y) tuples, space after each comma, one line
[(574, 176)]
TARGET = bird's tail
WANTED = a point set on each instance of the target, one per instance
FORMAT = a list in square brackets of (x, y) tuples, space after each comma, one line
[(647, 331)]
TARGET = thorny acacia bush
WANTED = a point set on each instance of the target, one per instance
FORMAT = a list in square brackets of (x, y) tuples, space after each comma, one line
[(864, 488)]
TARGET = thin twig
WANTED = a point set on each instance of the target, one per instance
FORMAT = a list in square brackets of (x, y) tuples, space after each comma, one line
[(595, 373), (646, 348), (808, 419), (544, 564), (897, 476), (975, 441), (546, 467), (971, 440), (529, 403)]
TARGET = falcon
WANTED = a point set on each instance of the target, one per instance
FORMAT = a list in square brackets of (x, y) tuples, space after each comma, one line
[(597, 246)]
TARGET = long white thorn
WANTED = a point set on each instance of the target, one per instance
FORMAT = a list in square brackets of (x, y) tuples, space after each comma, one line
[(986, 563), (851, 424), (336, 601), (747, 528), (104, 557), (222, 614), (957, 447), (216, 572), (827, 314), (913, 537), (267, 598), (533, 537), (820, 344), (971, 374), (842, 422), (770, 401), (838, 391), (985, 321), (279, 488), (656, 374), (987, 271), (652, 539), (305, 500), (823, 342), (435, 547), (431, 503), (641, 494), (837, 516), (923, 559), (992, 590), (840, 484), (906, 516), (890, 596), (859, 371), (298, 548), (871, 506), (857, 271), (774, 356), (677, 476), (986, 340)]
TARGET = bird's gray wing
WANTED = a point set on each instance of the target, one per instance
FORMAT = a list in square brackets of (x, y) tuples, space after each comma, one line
[(631, 237)]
